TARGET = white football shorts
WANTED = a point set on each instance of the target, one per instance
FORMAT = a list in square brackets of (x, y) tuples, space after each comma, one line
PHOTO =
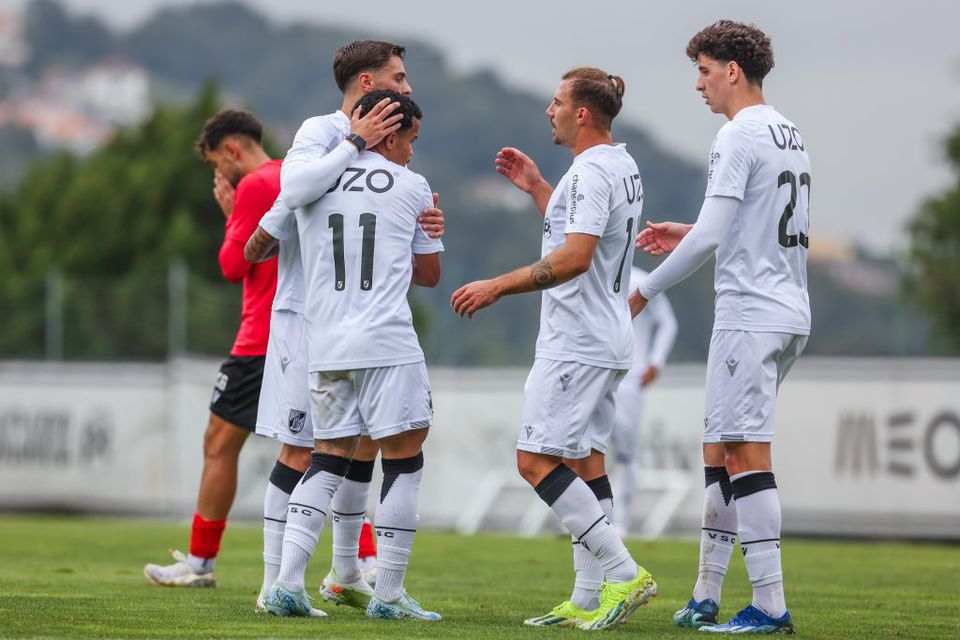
[(378, 402), (568, 408), (284, 410), (744, 372)]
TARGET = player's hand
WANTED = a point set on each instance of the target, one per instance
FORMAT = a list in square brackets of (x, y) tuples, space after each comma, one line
[(637, 303), (223, 193), (378, 123), (518, 168), (649, 376), (472, 297), (431, 220), (662, 237)]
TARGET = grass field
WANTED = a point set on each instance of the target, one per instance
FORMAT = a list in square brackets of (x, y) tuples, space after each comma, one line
[(81, 577)]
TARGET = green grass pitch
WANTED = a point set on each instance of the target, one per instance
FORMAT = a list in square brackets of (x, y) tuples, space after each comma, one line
[(81, 578)]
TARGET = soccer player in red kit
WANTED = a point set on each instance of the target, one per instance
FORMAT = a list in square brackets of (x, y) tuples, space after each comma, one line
[(246, 184)]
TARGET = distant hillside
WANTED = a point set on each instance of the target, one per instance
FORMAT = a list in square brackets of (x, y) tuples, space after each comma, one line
[(284, 75)]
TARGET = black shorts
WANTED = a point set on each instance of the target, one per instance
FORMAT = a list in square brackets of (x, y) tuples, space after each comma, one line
[(236, 393)]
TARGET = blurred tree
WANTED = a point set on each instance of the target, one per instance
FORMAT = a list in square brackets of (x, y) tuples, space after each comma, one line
[(934, 280), (111, 224)]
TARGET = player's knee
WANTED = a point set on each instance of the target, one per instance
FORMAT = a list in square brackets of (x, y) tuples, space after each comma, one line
[(532, 467), (295, 457), (222, 440)]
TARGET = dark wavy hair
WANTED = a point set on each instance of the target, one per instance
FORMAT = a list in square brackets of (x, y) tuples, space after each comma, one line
[(226, 123), (362, 55), (729, 41), (408, 107), (598, 91)]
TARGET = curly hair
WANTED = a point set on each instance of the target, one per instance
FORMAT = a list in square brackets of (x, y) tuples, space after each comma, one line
[(408, 108), (227, 123), (729, 41), (597, 90)]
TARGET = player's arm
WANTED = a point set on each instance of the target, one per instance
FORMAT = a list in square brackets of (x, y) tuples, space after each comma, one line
[(522, 171), (308, 171), (250, 203), (276, 225), (696, 247), (567, 262), (426, 269), (663, 340), (261, 246)]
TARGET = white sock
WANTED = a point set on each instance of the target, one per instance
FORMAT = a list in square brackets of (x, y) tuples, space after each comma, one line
[(396, 523), (201, 565), (588, 572), (306, 513), (718, 535), (283, 480), (758, 509), (579, 511), (348, 508)]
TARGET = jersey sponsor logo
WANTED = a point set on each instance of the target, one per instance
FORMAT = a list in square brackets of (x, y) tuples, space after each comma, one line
[(378, 180), (632, 191), (786, 137), (732, 365), (574, 197), (565, 379), (296, 420)]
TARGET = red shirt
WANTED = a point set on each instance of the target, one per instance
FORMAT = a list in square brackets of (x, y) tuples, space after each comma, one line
[(256, 193)]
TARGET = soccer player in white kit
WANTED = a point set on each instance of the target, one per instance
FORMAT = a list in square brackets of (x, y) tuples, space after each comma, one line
[(654, 333), (362, 247), (755, 217), (585, 342), (323, 151)]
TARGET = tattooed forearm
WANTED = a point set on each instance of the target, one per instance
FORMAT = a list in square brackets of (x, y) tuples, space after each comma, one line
[(543, 275), (261, 246)]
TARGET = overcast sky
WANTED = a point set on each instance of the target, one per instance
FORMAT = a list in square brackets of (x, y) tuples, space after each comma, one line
[(873, 86)]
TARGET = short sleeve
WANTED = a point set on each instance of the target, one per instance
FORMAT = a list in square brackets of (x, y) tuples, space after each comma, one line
[(252, 199), (279, 222), (731, 159), (423, 243), (316, 137), (588, 200)]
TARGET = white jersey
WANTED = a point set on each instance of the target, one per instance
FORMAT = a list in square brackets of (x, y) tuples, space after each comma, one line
[(587, 319), (316, 137), (761, 274), (654, 331), (357, 243)]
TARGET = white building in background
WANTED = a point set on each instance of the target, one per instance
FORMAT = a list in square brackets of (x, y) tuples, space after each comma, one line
[(13, 47), (79, 111)]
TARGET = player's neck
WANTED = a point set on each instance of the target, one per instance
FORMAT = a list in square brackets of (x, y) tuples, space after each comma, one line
[(254, 160), (590, 138), (750, 98), (350, 98)]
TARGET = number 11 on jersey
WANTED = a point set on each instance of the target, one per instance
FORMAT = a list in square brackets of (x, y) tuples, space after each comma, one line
[(368, 221)]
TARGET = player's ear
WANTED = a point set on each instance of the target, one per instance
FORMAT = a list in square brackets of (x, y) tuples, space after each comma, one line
[(231, 147), (733, 71), (390, 141), (365, 81)]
